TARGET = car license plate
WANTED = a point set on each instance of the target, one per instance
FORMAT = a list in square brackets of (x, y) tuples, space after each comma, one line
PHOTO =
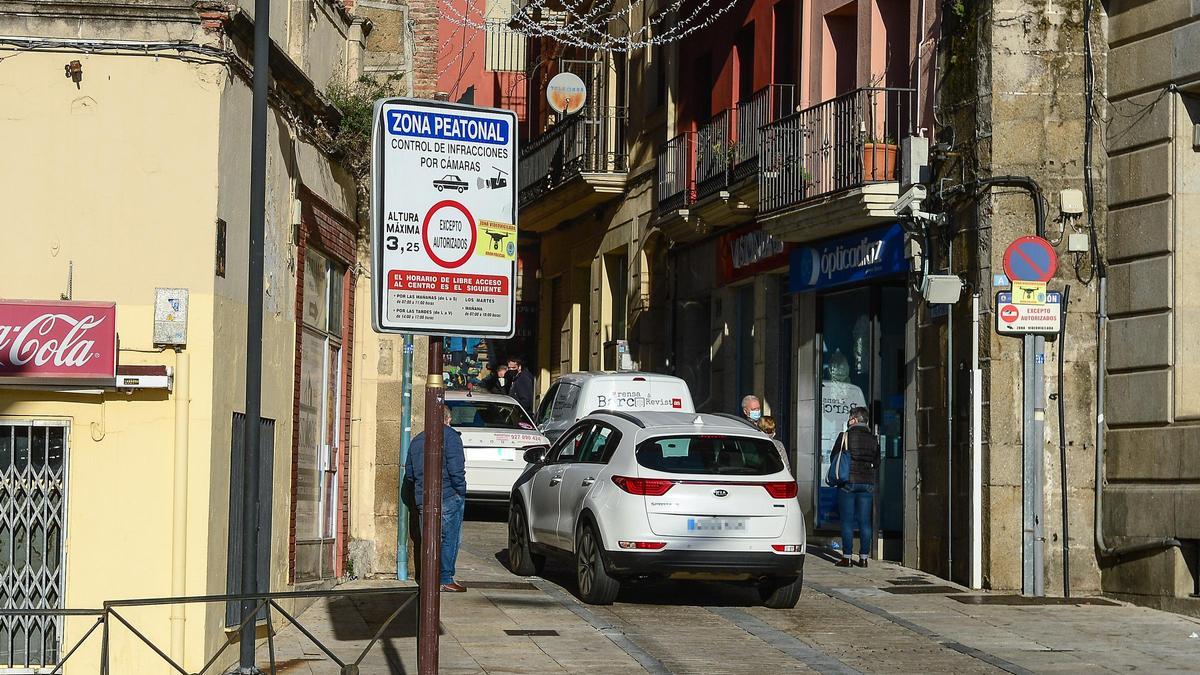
[(716, 524)]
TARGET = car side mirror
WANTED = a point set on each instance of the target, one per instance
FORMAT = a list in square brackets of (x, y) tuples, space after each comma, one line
[(535, 454)]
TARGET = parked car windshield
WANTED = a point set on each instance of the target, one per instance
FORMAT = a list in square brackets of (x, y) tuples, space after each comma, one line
[(710, 454), (487, 415)]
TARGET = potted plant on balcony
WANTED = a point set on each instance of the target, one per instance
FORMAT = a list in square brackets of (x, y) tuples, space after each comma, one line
[(879, 159)]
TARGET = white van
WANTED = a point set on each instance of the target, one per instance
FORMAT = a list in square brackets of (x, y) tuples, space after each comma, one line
[(575, 396)]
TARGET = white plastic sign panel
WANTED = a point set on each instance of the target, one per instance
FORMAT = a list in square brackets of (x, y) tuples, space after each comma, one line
[(1018, 319), (444, 219)]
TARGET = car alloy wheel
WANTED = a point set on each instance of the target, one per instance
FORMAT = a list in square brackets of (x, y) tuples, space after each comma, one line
[(521, 558), (596, 587)]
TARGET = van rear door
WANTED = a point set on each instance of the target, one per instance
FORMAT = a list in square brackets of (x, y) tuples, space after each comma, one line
[(639, 394)]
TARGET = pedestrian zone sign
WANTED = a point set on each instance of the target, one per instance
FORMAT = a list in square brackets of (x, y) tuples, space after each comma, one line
[(1023, 319), (444, 219)]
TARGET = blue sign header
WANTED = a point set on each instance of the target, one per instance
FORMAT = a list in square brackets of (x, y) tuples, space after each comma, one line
[(448, 127), (849, 259)]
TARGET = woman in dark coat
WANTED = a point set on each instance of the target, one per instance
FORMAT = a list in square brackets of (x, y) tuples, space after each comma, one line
[(856, 496)]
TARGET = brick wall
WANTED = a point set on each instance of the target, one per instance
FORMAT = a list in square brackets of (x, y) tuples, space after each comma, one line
[(424, 16), (336, 236)]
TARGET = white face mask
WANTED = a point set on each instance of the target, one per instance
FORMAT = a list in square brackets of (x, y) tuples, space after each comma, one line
[(501, 380)]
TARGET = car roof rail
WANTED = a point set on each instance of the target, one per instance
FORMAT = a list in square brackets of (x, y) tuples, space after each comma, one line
[(623, 415), (738, 418)]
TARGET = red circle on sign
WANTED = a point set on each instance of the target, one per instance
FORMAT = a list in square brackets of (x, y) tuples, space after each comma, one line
[(448, 203), (1035, 254), (1009, 313)]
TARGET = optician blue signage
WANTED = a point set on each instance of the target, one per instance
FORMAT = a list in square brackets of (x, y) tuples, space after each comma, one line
[(848, 260)]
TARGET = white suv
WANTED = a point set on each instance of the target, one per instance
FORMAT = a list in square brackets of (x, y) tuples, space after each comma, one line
[(661, 495)]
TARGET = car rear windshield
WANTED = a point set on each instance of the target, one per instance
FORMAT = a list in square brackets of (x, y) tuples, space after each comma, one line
[(487, 415), (710, 454)]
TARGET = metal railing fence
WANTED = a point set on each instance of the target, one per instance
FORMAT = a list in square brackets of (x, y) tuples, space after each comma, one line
[(589, 141), (676, 172), (765, 106), (108, 618), (715, 149), (843, 143)]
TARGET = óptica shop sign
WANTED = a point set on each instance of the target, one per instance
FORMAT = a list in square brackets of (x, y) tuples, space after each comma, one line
[(444, 244)]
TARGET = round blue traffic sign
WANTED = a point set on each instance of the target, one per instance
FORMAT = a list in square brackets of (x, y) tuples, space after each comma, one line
[(1030, 259)]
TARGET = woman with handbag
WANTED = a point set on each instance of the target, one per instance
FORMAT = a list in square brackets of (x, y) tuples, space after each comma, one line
[(852, 471)]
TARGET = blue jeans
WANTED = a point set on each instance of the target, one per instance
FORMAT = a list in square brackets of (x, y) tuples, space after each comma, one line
[(854, 505), (452, 519)]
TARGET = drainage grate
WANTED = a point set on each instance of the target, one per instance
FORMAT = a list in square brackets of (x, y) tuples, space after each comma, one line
[(909, 582), (537, 632), (501, 585), (1026, 600), (913, 590)]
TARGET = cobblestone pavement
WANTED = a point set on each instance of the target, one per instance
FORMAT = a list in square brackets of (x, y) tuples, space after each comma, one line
[(847, 621)]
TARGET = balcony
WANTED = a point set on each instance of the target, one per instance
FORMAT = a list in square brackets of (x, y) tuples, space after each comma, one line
[(766, 105), (834, 165), (715, 147), (677, 173), (577, 165)]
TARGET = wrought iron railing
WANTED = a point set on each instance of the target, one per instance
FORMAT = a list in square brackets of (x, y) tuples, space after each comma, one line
[(590, 141), (113, 615), (677, 172), (715, 149), (843, 143), (765, 106)]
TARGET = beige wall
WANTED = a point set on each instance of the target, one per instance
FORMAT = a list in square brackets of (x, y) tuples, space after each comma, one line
[(123, 184)]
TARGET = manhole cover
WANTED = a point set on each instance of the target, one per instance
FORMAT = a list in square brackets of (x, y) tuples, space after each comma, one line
[(913, 590), (501, 585), (532, 632), (1026, 600)]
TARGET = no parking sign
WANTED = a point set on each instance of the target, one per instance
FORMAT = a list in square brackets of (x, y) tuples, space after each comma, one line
[(444, 219)]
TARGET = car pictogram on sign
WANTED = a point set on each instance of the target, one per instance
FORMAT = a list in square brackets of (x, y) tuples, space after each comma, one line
[(1009, 313), (450, 182)]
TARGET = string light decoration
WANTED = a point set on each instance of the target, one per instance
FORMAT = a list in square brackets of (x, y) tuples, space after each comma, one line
[(603, 27)]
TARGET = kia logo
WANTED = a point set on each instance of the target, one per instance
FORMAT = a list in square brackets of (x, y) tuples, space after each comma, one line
[(720, 493)]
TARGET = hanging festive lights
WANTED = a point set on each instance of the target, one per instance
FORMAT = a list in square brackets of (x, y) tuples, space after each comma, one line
[(601, 27)]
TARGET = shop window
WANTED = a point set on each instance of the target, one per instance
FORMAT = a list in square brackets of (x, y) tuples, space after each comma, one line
[(745, 342), (616, 268), (32, 530), (320, 419)]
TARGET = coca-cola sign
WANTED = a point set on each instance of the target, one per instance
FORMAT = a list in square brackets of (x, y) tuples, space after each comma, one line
[(62, 340)]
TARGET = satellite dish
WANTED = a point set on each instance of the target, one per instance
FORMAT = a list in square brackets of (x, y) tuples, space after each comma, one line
[(566, 93)]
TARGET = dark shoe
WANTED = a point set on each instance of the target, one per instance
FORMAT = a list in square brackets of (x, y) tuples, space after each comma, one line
[(861, 562), (453, 588), (844, 562)]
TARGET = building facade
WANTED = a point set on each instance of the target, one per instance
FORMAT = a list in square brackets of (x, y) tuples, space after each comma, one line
[(772, 259), (126, 483)]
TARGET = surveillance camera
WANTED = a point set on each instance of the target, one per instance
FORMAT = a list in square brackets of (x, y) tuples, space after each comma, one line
[(910, 201)]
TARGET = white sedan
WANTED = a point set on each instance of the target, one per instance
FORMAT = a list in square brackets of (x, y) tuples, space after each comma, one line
[(661, 495), (495, 430)]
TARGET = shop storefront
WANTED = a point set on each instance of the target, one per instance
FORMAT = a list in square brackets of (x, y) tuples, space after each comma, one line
[(752, 268), (860, 313)]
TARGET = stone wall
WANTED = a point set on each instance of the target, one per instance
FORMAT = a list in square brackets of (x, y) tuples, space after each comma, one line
[(1011, 103), (1153, 398)]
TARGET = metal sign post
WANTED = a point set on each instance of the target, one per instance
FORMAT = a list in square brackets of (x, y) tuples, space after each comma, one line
[(1029, 310), (443, 263)]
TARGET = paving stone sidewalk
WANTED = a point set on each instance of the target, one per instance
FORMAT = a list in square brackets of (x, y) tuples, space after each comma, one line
[(857, 620)]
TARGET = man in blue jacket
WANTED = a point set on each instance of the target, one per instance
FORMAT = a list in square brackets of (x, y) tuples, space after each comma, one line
[(454, 495)]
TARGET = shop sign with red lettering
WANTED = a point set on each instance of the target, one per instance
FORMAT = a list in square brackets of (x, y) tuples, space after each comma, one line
[(444, 219), (749, 251), (1013, 318), (58, 339)]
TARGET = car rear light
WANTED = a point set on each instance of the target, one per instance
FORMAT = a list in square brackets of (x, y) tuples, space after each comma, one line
[(650, 487), (643, 545), (781, 489), (788, 548)]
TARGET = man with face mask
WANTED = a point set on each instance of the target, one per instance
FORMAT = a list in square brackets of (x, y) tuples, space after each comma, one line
[(752, 408)]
